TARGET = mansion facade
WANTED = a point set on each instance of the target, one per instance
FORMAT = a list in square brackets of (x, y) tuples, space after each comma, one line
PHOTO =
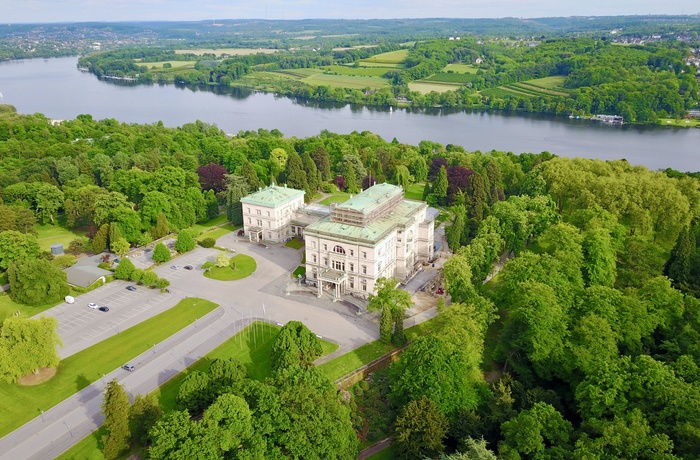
[(350, 245)]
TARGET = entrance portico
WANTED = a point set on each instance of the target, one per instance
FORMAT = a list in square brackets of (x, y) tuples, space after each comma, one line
[(331, 278)]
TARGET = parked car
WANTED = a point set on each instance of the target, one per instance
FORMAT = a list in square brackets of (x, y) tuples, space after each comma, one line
[(175, 267), (131, 288), (92, 305), (188, 267), (128, 367), (104, 309)]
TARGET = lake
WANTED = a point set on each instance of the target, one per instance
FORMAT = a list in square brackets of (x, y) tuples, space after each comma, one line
[(57, 89)]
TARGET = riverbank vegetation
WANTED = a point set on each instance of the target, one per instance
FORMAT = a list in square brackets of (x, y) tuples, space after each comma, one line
[(589, 330)]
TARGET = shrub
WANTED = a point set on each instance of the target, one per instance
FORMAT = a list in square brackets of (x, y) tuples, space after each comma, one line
[(76, 246), (64, 261), (184, 242), (207, 265), (136, 275), (328, 187), (149, 278), (105, 266), (124, 269), (207, 242), (161, 253)]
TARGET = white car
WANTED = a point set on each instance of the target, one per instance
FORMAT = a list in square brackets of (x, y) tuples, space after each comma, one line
[(175, 267), (92, 305)]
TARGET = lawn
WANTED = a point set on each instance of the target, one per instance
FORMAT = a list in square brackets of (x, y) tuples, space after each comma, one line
[(218, 232), (452, 78), (386, 454), (460, 68), (157, 67), (684, 122), (52, 234), (245, 266), (300, 270), (555, 82), (252, 347), (344, 364), (338, 197), (21, 404), (359, 71), (295, 243), (414, 192), (346, 81), (204, 226), (426, 87), (9, 307), (392, 57)]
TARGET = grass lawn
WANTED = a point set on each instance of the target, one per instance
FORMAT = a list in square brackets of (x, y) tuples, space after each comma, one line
[(23, 403), (426, 87), (460, 68), (53, 234), (555, 82), (300, 270), (229, 51), (295, 243), (346, 81), (218, 232), (344, 364), (252, 347), (9, 307), (684, 122), (358, 71), (204, 226), (414, 192), (338, 197), (245, 266), (392, 57)]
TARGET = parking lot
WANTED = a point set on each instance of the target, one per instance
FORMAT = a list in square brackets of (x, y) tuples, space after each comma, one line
[(80, 325), (195, 258)]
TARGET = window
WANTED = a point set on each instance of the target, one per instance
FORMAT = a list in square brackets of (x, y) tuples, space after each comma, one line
[(269, 235), (364, 269), (250, 221), (379, 266), (352, 268), (337, 265), (364, 254), (325, 247), (313, 244), (352, 282), (259, 223), (313, 257), (269, 224), (248, 210), (364, 285), (352, 252), (325, 261), (339, 249), (259, 212), (268, 213)]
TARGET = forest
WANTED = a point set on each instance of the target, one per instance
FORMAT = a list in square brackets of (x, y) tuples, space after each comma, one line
[(584, 345), (566, 76)]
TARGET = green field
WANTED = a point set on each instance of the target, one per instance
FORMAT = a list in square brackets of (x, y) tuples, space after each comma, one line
[(383, 65), (23, 403), (218, 232), (526, 86), (228, 51), (346, 81), (392, 57), (9, 307), (245, 266), (683, 122), (295, 243), (460, 78), (176, 66), (357, 71), (204, 226), (556, 82), (52, 234), (337, 197), (426, 87), (298, 73), (414, 192), (252, 347), (460, 68)]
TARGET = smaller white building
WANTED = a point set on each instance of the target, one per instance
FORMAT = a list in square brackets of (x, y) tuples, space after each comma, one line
[(268, 213)]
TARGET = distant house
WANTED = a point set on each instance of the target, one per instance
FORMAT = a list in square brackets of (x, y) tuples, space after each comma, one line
[(478, 61), (268, 213), (86, 272)]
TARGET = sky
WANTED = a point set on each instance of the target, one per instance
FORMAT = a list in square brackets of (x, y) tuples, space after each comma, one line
[(23, 11)]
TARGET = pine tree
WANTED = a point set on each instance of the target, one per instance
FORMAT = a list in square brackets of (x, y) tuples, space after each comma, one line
[(237, 189), (296, 177), (478, 196), (115, 408), (145, 412), (440, 186), (99, 241), (115, 234), (162, 227), (350, 179), (312, 176), (250, 176), (161, 253), (323, 163)]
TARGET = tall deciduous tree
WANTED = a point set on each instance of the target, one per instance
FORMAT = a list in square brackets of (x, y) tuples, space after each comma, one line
[(439, 189), (115, 408), (144, 413), (161, 253), (124, 269), (392, 303), (420, 430), (296, 176), (36, 282), (212, 177), (16, 246), (99, 241), (26, 345), (237, 188), (323, 163), (250, 176), (540, 432), (120, 246), (294, 345), (185, 242), (49, 199)]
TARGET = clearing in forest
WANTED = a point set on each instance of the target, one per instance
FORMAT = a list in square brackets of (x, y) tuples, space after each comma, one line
[(392, 57)]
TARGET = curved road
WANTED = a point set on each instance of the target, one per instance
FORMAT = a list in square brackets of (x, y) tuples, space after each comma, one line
[(261, 296)]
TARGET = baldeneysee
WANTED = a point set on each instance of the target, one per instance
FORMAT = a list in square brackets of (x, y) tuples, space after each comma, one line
[(56, 88)]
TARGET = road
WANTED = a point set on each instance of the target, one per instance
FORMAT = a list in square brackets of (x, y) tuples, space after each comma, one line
[(260, 296)]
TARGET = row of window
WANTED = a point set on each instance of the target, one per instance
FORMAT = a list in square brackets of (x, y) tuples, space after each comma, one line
[(340, 265), (339, 250), (351, 281)]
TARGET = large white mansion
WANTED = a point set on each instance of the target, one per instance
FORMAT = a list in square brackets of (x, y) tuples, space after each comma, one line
[(375, 234)]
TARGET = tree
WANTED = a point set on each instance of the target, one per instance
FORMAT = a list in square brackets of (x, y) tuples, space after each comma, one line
[(439, 189), (420, 430), (207, 242), (76, 246), (99, 241), (149, 278), (161, 253), (184, 242), (312, 176), (125, 269), (599, 257), (162, 283), (350, 179), (222, 259), (295, 345), (26, 345), (540, 432), (212, 177), (115, 234), (162, 227), (49, 199), (323, 163), (120, 246), (15, 246), (237, 188), (36, 282), (115, 408), (195, 393), (296, 176), (136, 275), (455, 233), (144, 414), (392, 303), (250, 176)]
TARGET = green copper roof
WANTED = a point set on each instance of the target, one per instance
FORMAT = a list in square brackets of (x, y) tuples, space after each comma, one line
[(371, 234), (273, 195), (371, 198)]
